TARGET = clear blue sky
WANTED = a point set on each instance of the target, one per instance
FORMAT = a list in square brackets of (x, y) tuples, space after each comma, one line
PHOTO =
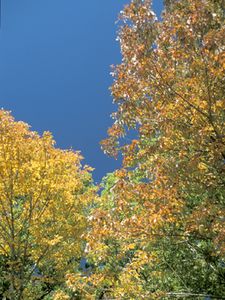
[(55, 59)]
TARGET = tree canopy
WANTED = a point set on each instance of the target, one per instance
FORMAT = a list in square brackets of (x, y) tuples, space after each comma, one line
[(44, 192), (158, 232)]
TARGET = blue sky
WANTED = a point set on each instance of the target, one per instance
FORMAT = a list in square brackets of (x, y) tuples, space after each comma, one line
[(55, 59)]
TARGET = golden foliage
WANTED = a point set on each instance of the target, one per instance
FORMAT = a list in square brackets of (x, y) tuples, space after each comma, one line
[(43, 195), (170, 89)]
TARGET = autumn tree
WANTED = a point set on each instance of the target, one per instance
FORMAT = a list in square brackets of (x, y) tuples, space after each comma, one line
[(158, 232), (44, 192)]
